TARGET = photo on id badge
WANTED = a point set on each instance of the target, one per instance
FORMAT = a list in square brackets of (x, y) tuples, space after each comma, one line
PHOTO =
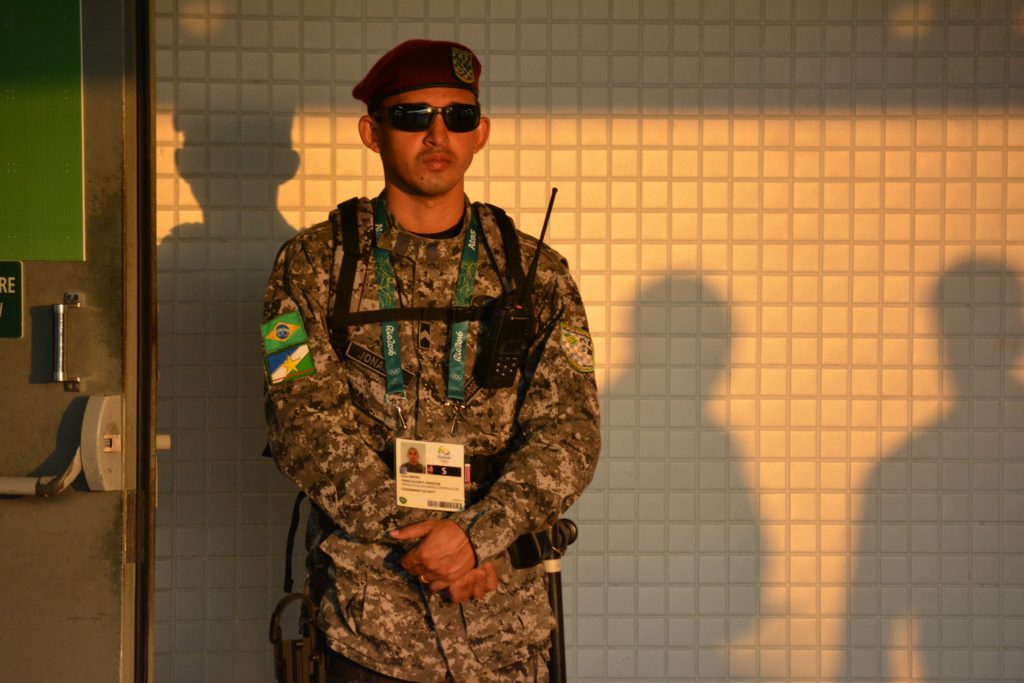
[(429, 475)]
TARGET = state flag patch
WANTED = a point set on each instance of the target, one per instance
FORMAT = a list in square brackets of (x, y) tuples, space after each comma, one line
[(283, 331), (578, 347), (290, 364)]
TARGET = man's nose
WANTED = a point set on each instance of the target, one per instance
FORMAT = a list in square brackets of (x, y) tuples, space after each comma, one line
[(438, 132)]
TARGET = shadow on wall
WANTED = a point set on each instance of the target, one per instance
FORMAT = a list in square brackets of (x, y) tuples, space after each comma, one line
[(222, 506), (725, 548), (671, 534), (937, 584)]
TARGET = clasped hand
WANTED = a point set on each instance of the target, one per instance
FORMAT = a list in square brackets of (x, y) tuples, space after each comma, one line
[(444, 559)]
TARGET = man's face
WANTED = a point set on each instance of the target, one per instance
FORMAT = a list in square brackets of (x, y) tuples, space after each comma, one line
[(414, 456), (430, 163)]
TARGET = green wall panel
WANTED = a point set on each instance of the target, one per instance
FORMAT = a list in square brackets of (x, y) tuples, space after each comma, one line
[(41, 131)]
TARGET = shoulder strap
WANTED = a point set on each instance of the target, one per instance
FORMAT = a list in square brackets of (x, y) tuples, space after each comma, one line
[(509, 245), (293, 526), (346, 227)]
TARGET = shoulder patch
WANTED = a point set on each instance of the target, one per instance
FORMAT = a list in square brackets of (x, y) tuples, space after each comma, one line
[(290, 364), (283, 331), (578, 347)]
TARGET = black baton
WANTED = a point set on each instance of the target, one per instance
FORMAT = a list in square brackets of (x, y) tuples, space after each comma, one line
[(559, 537)]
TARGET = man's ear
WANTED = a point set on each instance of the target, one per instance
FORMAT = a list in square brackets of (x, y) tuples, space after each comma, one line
[(369, 132), (483, 131)]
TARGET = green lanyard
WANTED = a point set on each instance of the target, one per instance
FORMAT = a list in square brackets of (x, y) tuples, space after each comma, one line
[(388, 299)]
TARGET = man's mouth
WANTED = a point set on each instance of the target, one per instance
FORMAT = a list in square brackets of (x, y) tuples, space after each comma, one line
[(436, 161)]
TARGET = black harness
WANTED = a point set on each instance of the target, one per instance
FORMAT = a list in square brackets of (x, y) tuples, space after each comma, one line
[(346, 231)]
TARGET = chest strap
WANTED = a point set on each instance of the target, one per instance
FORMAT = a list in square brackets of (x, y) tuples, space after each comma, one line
[(346, 230)]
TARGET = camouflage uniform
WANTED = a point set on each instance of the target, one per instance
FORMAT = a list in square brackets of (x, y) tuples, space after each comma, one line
[(333, 434)]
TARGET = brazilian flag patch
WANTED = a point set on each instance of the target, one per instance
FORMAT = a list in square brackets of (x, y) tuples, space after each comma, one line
[(290, 364), (283, 331)]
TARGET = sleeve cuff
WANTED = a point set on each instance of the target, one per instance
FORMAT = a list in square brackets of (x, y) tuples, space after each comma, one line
[(489, 529)]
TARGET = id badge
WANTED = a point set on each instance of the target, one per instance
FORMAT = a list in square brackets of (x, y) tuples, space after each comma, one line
[(430, 475)]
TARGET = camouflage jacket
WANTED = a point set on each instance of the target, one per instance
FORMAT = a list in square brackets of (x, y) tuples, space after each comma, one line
[(330, 431)]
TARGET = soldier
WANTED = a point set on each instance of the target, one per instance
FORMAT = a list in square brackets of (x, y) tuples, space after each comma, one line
[(415, 582)]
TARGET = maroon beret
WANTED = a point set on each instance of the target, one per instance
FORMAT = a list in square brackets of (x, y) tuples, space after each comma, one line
[(417, 64)]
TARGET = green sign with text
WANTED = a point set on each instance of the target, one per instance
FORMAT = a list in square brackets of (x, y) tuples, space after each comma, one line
[(11, 297)]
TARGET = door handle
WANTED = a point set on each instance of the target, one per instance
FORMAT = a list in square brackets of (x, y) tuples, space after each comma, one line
[(60, 322), (99, 454), (43, 487)]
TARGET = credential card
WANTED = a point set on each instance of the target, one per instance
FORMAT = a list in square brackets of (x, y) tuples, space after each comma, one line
[(429, 475)]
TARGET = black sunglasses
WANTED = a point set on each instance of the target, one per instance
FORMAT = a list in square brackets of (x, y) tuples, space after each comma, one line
[(418, 117)]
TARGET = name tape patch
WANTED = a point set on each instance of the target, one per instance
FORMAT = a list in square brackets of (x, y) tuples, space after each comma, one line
[(371, 361)]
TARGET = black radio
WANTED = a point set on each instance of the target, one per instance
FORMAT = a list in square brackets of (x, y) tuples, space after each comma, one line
[(505, 333), (507, 327)]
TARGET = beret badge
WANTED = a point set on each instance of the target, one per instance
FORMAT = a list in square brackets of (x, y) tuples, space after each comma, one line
[(462, 65)]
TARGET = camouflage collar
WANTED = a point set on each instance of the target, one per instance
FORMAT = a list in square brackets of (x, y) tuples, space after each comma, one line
[(425, 249)]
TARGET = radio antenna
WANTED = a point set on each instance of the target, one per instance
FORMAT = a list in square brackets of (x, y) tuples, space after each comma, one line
[(532, 275)]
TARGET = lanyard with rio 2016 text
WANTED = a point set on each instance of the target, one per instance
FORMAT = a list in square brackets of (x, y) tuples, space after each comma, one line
[(388, 299)]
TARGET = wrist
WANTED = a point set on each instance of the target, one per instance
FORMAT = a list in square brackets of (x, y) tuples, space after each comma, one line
[(461, 524)]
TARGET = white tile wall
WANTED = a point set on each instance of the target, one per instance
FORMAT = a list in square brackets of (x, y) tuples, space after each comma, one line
[(799, 230)]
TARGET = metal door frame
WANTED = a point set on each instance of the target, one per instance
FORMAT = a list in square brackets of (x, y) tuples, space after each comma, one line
[(141, 338)]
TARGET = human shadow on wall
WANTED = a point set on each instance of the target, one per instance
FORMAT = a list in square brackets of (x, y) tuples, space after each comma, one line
[(693, 481), (930, 571), (220, 514), (730, 544), (212, 273)]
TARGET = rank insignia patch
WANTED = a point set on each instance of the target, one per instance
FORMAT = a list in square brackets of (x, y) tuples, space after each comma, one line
[(578, 347), (283, 331), (290, 364), (462, 65)]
